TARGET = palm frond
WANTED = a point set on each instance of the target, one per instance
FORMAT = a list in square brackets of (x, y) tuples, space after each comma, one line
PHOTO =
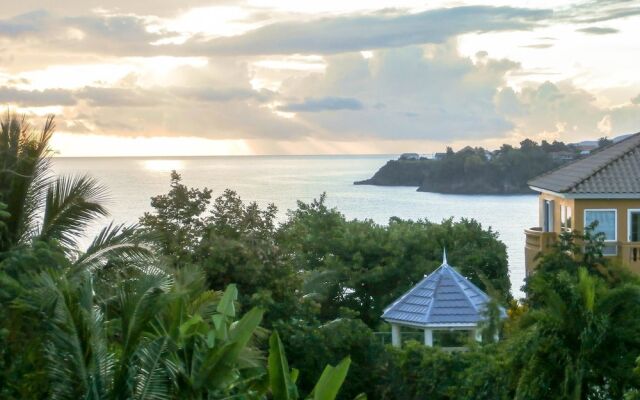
[(151, 379), (140, 300), (78, 360), (72, 203), (24, 167), (115, 243)]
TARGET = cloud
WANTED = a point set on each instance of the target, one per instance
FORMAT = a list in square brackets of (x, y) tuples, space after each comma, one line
[(130, 34), (69, 7), (36, 98), (539, 46), (595, 11), (119, 97), (422, 93), (35, 21), (323, 104), (594, 30), (562, 109), (365, 32), (92, 33)]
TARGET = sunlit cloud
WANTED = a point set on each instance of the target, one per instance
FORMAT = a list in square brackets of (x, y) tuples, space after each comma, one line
[(268, 77)]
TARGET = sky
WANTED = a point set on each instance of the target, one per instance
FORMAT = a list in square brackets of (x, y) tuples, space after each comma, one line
[(242, 77)]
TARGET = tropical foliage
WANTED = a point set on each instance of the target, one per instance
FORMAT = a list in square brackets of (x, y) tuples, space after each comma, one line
[(202, 298), (114, 321)]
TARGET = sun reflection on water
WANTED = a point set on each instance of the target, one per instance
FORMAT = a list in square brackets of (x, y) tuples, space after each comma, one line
[(163, 165)]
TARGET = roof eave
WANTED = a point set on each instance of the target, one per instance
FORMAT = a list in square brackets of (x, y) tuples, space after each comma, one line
[(452, 325), (595, 196)]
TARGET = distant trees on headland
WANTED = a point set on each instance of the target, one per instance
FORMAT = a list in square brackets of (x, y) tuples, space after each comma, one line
[(475, 170)]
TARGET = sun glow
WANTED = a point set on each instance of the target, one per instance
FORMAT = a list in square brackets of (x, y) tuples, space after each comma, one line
[(77, 145)]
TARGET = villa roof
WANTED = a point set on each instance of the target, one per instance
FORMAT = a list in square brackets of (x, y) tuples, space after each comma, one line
[(612, 170), (443, 298)]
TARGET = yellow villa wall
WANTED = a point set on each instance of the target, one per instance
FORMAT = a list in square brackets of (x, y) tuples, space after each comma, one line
[(558, 203), (579, 205), (577, 211), (622, 206)]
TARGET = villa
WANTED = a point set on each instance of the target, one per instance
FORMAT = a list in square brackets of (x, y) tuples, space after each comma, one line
[(602, 187), (442, 301)]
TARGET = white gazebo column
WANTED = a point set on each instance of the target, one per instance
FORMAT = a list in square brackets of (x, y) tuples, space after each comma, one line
[(396, 339), (476, 334), (428, 337)]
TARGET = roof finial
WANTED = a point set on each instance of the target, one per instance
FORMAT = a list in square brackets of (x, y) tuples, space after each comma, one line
[(444, 256)]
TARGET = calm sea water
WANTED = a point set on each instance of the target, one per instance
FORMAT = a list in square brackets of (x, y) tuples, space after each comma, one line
[(284, 179)]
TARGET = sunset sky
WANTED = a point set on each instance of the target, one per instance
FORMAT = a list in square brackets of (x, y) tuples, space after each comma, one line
[(200, 77)]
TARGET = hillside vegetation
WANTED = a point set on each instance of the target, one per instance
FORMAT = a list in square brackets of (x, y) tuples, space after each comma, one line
[(476, 170)]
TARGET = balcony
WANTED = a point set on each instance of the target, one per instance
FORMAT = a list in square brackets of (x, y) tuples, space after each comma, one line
[(536, 241), (630, 255)]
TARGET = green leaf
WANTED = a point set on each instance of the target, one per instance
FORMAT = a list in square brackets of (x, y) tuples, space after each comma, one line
[(242, 330), (226, 305), (211, 339), (330, 381), (185, 327), (280, 378)]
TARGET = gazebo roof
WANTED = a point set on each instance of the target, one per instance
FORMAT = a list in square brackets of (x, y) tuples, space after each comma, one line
[(442, 299)]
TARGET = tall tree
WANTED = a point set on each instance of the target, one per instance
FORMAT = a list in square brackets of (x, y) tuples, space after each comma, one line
[(42, 207)]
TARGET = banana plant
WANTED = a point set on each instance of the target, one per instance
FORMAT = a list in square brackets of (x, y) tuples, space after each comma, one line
[(282, 379), (159, 338)]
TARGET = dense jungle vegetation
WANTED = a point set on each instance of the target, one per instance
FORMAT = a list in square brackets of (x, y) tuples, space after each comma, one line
[(213, 298)]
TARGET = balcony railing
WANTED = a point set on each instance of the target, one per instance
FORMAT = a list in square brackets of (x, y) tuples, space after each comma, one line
[(536, 242), (537, 239), (630, 255)]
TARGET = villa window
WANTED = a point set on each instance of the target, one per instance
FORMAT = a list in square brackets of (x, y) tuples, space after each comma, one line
[(607, 225), (565, 218), (547, 223), (634, 225)]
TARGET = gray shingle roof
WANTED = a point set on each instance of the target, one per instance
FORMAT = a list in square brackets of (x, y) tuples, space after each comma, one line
[(614, 169), (443, 298)]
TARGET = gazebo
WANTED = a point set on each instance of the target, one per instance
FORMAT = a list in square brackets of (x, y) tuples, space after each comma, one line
[(442, 301)]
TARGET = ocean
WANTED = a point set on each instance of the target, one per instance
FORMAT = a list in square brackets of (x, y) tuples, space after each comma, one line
[(283, 180)]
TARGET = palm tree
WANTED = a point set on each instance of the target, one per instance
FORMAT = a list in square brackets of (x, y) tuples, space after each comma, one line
[(581, 341), (41, 207), (165, 337)]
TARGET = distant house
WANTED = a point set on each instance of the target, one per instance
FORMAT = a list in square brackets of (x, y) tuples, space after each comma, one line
[(563, 155), (439, 156), (587, 146), (604, 187), (443, 301), (409, 156)]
